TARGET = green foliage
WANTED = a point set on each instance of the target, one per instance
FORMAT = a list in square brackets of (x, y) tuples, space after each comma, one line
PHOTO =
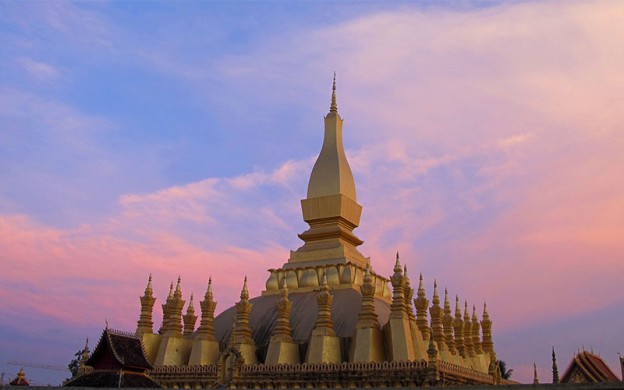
[(74, 365), (505, 373)]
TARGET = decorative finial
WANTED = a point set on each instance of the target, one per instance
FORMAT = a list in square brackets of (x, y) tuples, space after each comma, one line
[(324, 285), (106, 322), (334, 106), (535, 380), (170, 291), (397, 264), (555, 370), (178, 285), (244, 291), (209, 289), (284, 286)]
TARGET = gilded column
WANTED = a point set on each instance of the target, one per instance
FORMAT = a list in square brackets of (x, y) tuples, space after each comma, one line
[(175, 313), (458, 327), (447, 321), (487, 344), (420, 351), (367, 342), (397, 329), (480, 361), (145, 323), (205, 345), (433, 373), (324, 345), (165, 310), (436, 325), (190, 318), (282, 348), (174, 349), (422, 303), (468, 337), (243, 340)]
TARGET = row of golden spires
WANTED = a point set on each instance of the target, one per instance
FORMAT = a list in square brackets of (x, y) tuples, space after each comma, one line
[(459, 334)]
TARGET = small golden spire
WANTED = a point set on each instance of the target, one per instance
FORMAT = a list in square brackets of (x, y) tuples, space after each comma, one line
[(334, 106), (208, 305), (149, 284), (170, 291), (422, 304), (245, 292), (397, 264), (190, 318), (436, 297), (284, 287), (324, 285)]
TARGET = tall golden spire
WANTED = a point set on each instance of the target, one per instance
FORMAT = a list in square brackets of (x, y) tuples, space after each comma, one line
[(367, 317), (458, 327), (166, 308), (243, 310), (397, 308), (175, 310), (190, 318), (324, 299), (447, 321), (486, 326), (281, 330), (476, 332), (436, 319), (208, 305), (422, 303), (333, 108), (468, 332), (145, 323), (409, 295)]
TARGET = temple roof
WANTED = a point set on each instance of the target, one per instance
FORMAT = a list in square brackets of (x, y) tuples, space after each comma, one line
[(124, 348), (113, 379), (587, 367), (20, 379)]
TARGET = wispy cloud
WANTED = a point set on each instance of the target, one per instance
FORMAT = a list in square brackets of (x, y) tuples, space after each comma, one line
[(486, 147), (39, 70)]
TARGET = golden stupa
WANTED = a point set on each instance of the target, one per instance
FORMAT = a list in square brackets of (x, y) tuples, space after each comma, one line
[(326, 318)]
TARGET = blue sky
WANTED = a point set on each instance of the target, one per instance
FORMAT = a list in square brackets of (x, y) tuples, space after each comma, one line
[(177, 138)]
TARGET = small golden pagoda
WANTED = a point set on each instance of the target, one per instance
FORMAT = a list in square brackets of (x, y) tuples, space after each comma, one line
[(326, 318)]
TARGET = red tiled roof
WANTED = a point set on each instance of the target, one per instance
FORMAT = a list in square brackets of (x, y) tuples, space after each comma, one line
[(127, 350), (591, 366)]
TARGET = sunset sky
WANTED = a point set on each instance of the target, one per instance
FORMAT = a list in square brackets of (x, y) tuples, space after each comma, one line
[(177, 138)]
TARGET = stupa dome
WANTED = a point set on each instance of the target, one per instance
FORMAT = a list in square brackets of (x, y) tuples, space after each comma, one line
[(344, 312)]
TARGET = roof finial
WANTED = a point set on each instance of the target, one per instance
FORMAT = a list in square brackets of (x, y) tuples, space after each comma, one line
[(555, 370), (535, 380), (334, 106)]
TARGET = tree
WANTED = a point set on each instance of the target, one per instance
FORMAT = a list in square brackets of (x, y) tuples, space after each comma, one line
[(505, 373), (74, 365)]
